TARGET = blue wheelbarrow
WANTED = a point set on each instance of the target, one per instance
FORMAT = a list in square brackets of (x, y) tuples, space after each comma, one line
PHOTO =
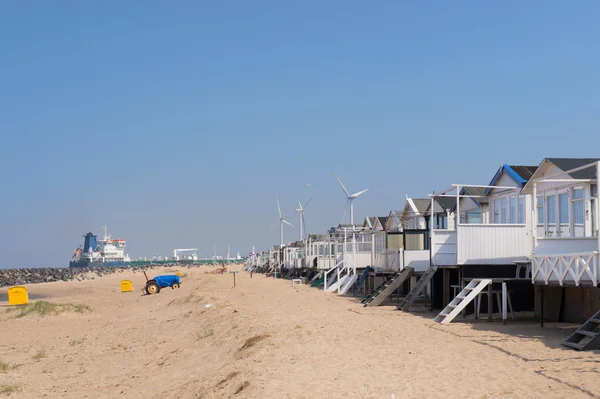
[(153, 286)]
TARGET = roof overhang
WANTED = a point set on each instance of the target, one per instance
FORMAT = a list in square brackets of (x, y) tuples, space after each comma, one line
[(557, 177)]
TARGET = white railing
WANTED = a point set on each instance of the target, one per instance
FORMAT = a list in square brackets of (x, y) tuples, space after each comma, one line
[(419, 260), (325, 262), (484, 244), (566, 269), (444, 247), (391, 260)]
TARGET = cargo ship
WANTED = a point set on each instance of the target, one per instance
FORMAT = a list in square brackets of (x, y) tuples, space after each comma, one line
[(100, 253)]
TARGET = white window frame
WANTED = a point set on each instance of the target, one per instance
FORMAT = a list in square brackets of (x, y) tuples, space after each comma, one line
[(574, 200), (501, 214), (594, 209), (540, 210), (557, 225)]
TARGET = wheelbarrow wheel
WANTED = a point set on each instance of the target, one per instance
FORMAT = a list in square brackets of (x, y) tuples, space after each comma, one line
[(175, 285), (152, 288)]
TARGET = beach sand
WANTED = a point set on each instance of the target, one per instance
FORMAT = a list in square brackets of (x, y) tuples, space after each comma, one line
[(265, 339)]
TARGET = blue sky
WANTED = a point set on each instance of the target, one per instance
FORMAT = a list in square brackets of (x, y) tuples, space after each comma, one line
[(177, 123)]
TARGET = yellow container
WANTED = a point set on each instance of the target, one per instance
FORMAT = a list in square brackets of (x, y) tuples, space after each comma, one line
[(18, 296), (126, 286), (178, 274)]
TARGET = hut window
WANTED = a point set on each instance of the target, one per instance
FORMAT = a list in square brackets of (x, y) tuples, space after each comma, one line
[(497, 211), (540, 209), (521, 209), (578, 209)]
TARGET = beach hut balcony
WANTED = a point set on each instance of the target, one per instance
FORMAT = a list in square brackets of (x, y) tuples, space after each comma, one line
[(483, 244)]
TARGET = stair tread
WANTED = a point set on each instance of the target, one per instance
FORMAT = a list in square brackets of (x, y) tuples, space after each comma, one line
[(573, 345), (587, 333)]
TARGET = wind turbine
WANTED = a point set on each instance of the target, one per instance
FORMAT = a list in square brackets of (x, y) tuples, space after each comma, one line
[(350, 199), (281, 222), (301, 213)]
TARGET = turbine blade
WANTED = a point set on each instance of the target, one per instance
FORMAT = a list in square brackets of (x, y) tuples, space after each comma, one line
[(278, 207), (359, 193), (286, 222), (300, 205), (345, 209), (305, 205), (342, 185), (273, 226)]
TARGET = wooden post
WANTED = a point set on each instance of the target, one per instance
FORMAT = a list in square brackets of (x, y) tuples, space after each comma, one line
[(431, 294), (446, 287), (542, 306), (597, 221), (504, 296), (462, 287), (234, 273), (490, 302)]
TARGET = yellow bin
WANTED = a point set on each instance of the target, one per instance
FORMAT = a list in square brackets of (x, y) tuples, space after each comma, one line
[(18, 296), (126, 286), (178, 274)]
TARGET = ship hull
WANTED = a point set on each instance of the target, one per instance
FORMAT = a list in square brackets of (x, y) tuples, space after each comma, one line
[(79, 263)]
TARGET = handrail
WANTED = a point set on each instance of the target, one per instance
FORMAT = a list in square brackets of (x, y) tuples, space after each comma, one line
[(565, 254), (329, 271)]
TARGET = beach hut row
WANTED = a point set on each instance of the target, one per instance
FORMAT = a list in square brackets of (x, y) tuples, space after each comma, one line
[(529, 237)]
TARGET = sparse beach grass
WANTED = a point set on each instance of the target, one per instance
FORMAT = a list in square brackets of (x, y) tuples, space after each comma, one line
[(45, 308), (40, 354), (5, 367), (205, 333), (7, 389)]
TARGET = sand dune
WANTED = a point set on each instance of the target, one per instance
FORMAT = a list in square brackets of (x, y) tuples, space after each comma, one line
[(265, 339)]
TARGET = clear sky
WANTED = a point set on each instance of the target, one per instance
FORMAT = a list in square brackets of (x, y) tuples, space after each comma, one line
[(177, 123)]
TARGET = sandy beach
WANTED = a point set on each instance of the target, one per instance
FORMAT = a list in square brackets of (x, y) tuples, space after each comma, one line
[(265, 339)]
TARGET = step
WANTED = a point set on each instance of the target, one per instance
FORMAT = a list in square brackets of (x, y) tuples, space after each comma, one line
[(469, 294), (587, 333), (573, 345), (461, 297), (361, 280), (394, 282), (417, 289), (585, 338)]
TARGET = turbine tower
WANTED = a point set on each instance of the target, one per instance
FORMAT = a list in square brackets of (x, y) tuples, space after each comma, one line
[(301, 215), (281, 221), (350, 199)]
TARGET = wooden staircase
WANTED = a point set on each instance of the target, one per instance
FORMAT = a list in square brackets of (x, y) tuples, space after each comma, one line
[(587, 336), (466, 296), (339, 281), (316, 277), (361, 281), (417, 289), (348, 283), (385, 290), (289, 273)]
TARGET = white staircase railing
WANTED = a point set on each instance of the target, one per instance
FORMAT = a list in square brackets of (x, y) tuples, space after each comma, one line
[(340, 279), (327, 273)]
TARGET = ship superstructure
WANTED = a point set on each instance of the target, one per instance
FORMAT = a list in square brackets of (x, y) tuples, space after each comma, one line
[(100, 253)]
